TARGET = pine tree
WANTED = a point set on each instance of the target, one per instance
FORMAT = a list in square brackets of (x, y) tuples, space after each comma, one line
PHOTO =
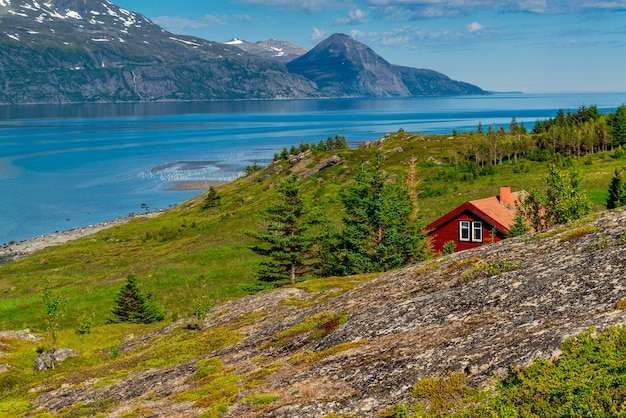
[(380, 230), (617, 191), (618, 126), (133, 306), (212, 199), (286, 240), (520, 226)]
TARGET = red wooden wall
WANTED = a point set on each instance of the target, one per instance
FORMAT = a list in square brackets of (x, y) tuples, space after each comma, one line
[(450, 232)]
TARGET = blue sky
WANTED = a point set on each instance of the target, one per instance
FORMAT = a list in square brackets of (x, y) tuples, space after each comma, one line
[(534, 46)]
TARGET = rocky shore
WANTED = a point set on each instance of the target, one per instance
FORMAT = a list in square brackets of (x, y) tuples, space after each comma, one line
[(17, 250)]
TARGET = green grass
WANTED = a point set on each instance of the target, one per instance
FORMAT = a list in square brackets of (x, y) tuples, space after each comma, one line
[(190, 256)]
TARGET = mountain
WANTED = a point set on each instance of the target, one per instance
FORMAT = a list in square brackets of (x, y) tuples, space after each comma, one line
[(272, 49), (62, 51), (93, 51), (342, 66)]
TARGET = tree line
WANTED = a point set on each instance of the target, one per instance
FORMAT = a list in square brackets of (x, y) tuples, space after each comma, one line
[(583, 132)]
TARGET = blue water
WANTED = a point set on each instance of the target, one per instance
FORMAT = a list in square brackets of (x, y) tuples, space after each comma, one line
[(66, 166)]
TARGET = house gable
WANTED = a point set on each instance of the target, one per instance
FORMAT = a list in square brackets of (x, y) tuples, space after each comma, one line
[(476, 222)]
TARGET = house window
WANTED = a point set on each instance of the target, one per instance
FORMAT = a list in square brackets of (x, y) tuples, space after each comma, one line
[(464, 230), (471, 231), (477, 231)]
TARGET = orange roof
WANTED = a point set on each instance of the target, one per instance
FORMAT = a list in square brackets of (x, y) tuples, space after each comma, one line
[(495, 209), (491, 209)]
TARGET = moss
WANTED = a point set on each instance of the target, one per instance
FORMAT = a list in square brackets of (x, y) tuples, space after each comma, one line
[(260, 399), (257, 378), (621, 305), (186, 346), (578, 232), (426, 268), (217, 388), (343, 283), (247, 319), (456, 265), (440, 396), (89, 409), (318, 325)]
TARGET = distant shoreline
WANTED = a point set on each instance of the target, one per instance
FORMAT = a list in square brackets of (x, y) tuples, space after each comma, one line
[(18, 250), (196, 184)]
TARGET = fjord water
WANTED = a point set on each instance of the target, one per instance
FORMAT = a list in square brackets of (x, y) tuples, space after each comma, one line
[(67, 166)]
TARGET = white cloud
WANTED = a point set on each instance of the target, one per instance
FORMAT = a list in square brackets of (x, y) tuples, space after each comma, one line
[(180, 24), (421, 9), (474, 27), (243, 18), (413, 37), (355, 16), (358, 15), (318, 34)]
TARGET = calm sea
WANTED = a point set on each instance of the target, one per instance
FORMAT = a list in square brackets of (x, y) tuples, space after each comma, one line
[(67, 166)]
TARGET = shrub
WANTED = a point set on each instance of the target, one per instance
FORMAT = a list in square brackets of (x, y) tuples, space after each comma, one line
[(449, 247)]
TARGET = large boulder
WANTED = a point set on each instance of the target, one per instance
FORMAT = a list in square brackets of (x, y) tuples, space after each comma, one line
[(48, 359)]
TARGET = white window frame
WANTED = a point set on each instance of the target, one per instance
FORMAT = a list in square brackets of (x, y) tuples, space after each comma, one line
[(465, 227), (471, 231), (477, 231)]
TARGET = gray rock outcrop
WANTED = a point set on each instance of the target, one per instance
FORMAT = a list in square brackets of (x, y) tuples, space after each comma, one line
[(51, 358), (480, 312)]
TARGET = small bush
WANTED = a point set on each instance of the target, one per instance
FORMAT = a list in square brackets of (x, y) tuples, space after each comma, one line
[(449, 247), (85, 323)]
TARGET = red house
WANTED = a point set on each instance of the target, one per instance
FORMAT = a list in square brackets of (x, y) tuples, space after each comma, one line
[(476, 222)]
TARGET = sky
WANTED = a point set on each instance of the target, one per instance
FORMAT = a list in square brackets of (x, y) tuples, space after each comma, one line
[(532, 46)]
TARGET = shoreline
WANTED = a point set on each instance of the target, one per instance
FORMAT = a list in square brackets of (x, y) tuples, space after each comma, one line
[(19, 250), (195, 184)]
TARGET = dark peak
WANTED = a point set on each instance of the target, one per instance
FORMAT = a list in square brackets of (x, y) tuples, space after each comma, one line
[(343, 66)]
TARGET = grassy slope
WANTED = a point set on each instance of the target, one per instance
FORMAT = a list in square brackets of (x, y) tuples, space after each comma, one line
[(190, 255)]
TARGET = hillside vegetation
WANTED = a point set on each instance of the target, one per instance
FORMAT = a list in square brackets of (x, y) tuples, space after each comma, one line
[(251, 356)]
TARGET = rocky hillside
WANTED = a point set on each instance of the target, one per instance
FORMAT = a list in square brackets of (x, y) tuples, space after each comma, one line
[(358, 345), (342, 66), (63, 51), (93, 51)]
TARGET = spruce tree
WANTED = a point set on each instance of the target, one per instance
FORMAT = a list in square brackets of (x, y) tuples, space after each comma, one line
[(617, 191), (381, 230), (286, 241), (131, 305), (212, 199)]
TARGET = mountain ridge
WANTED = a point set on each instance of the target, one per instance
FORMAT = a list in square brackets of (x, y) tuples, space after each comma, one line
[(342, 65), (77, 51)]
